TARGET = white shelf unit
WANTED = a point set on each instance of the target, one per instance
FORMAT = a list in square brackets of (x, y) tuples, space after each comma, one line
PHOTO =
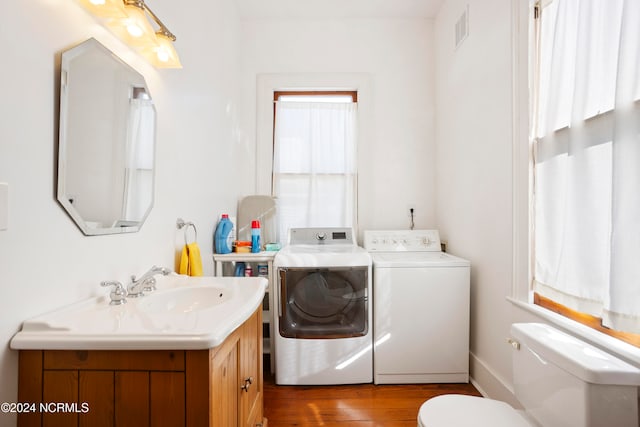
[(254, 259)]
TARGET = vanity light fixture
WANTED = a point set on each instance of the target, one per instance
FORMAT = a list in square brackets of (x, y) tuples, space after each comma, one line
[(129, 21), (164, 54)]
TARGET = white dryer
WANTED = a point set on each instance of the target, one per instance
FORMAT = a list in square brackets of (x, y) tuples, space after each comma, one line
[(322, 329), (420, 309)]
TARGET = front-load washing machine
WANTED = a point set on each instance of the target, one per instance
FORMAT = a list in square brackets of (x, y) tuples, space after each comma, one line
[(420, 309), (323, 332)]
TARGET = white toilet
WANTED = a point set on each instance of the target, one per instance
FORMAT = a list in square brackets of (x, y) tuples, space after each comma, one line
[(558, 379)]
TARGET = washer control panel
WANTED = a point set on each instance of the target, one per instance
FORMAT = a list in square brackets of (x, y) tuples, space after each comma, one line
[(402, 241)]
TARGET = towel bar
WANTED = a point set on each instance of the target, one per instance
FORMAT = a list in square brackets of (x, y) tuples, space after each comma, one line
[(180, 223)]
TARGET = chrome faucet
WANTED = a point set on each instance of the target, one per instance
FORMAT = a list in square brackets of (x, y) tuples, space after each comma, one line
[(118, 294), (146, 282)]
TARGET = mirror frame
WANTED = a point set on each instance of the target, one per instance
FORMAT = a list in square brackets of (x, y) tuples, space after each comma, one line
[(118, 226)]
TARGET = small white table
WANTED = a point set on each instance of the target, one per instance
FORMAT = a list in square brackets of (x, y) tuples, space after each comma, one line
[(267, 314)]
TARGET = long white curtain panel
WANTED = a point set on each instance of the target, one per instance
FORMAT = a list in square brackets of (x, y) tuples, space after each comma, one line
[(586, 130)]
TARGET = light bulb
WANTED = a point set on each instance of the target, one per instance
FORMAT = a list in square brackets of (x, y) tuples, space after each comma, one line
[(134, 30), (163, 55), (105, 8)]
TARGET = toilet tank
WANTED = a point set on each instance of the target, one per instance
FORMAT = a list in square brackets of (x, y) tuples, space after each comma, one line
[(563, 381)]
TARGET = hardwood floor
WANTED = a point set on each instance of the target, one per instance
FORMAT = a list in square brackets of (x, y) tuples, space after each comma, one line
[(364, 405)]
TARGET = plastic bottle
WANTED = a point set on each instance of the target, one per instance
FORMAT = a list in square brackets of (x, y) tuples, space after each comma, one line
[(263, 270), (223, 236), (248, 271), (239, 269), (255, 236)]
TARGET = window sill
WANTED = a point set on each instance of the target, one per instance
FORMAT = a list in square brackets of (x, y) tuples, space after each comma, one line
[(612, 345)]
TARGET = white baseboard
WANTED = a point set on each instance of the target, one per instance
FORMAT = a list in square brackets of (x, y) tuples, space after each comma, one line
[(489, 384), (478, 387)]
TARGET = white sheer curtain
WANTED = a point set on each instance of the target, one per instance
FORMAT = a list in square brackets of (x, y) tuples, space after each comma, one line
[(587, 160), (314, 164), (138, 193)]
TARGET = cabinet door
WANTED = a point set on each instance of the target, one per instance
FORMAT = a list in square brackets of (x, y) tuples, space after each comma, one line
[(96, 391), (167, 399), (251, 371), (132, 398), (224, 385), (59, 386)]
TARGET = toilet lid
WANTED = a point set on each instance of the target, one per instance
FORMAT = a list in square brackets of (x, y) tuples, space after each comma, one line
[(455, 410)]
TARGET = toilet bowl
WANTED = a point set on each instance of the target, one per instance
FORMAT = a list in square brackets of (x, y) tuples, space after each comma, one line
[(559, 380)]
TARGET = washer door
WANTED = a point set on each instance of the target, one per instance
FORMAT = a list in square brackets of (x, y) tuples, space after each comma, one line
[(323, 303)]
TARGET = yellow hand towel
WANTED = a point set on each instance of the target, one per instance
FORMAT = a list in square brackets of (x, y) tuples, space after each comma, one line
[(190, 261)]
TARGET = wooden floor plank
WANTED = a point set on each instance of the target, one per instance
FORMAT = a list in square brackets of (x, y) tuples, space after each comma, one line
[(365, 405)]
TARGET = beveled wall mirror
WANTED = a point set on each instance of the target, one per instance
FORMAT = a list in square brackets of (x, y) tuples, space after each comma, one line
[(107, 141)]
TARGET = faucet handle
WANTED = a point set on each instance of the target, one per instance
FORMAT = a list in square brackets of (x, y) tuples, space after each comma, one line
[(118, 294), (149, 285)]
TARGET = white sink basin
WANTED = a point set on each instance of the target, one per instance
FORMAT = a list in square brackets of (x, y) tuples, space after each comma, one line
[(184, 300), (184, 313)]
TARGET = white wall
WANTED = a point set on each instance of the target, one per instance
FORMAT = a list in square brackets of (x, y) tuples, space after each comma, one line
[(46, 262), (474, 172), (397, 154)]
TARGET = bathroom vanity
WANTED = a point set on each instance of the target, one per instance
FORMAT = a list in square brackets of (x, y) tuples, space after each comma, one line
[(197, 377), (221, 386)]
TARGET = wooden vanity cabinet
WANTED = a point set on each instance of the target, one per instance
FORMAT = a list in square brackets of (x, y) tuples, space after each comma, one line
[(236, 395), (217, 387)]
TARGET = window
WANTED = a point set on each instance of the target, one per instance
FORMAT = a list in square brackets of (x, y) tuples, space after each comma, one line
[(314, 159), (586, 137)]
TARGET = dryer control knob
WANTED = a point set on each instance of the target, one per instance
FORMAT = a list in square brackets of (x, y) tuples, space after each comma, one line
[(321, 236)]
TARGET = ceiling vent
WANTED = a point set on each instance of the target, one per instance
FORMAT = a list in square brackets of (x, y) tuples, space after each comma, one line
[(462, 27)]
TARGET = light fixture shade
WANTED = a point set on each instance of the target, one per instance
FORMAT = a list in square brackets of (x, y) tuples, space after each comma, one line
[(164, 54), (105, 8), (134, 29), (128, 20)]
